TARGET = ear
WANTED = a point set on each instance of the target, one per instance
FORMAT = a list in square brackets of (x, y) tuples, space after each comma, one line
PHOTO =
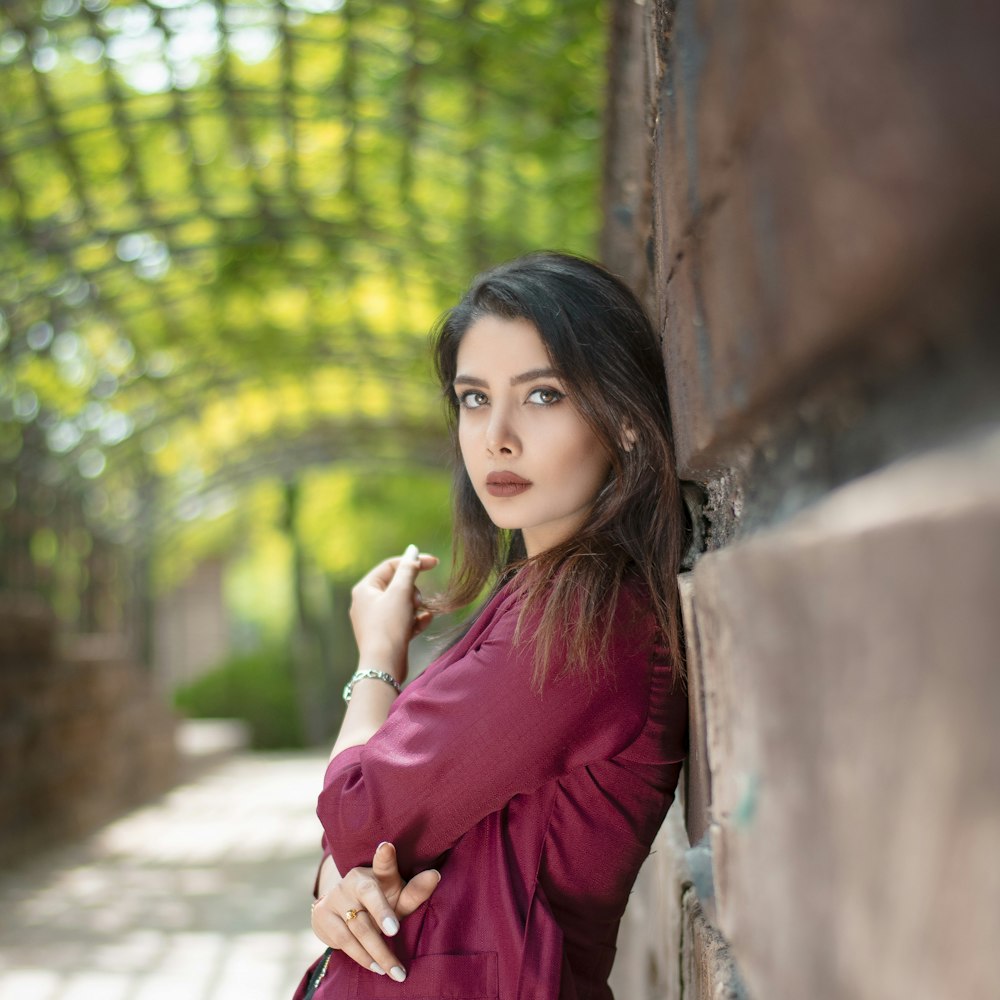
[(628, 438)]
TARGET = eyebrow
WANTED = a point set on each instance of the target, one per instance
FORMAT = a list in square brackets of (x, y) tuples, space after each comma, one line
[(528, 376)]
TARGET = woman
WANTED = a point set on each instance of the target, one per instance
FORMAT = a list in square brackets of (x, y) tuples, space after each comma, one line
[(530, 766)]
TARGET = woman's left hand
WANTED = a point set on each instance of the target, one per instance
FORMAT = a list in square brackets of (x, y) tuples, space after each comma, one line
[(368, 903)]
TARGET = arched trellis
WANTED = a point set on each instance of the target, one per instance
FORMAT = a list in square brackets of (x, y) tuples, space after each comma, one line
[(284, 457), (222, 203)]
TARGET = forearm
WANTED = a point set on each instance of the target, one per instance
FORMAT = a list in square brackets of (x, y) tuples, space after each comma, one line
[(328, 877), (371, 699), (366, 711)]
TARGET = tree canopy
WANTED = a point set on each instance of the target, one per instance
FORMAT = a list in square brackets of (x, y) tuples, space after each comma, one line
[(226, 227)]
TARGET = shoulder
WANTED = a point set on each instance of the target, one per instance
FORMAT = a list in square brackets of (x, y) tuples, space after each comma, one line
[(622, 639)]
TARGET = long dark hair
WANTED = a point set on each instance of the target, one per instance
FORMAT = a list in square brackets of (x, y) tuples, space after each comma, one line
[(601, 343)]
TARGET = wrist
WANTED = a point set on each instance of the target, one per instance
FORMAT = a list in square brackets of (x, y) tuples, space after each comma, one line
[(370, 675), (381, 656)]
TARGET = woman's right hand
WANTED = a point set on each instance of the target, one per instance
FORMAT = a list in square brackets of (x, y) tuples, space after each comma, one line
[(386, 611), (380, 899)]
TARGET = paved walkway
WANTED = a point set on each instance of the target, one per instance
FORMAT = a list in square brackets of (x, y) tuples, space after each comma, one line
[(203, 895)]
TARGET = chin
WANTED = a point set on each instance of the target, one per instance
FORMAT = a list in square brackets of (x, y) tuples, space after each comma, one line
[(506, 524)]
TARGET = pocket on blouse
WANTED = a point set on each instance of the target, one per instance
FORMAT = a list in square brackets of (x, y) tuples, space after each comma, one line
[(472, 976)]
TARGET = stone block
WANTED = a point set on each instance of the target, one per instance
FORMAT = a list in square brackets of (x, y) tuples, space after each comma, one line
[(696, 775), (626, 180), (27, 630), (707, 968), (668, 948), (849, 661), (801, 196), (80, 740), (649, 942)]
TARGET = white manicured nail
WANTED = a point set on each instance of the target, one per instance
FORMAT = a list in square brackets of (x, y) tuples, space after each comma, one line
[(397, 973), (411, 552), (390, 925), (375, 967)]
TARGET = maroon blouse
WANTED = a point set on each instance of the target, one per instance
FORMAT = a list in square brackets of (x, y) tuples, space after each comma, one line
[(537, 809)]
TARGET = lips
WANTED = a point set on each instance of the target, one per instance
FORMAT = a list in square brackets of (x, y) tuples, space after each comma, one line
[(506, 484)]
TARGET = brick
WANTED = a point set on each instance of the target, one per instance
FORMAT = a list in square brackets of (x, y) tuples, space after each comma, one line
[(80, 739), (697, 778), (27, 630), (851, 694), (707, 966), (668, 947), (801, 196)]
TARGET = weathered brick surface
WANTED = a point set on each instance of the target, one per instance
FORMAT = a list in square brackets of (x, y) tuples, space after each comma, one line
[(83, 734), (668, 949), (27, 628), (626, 182), (697, 787), (851, 695), (825, 267), (815, 165)]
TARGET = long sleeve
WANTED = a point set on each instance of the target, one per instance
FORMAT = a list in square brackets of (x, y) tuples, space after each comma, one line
[(472, 733)]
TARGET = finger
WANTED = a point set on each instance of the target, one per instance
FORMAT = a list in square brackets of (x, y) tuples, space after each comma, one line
[(385, 868), (379, 893), (406, 569), (418, 890), (379, 576), (331, 930), (420, 621), (387, 567), (372, 943)]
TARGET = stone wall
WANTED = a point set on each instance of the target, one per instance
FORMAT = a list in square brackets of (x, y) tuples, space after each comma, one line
[(84, 733), (814, 218)]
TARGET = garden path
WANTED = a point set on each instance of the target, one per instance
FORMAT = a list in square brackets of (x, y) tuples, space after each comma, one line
[(202, 895)]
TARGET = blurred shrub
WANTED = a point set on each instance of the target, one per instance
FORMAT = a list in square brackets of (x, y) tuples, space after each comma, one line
[(256, 687)]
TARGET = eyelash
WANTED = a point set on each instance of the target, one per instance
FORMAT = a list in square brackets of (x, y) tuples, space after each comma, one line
[(463, 397)]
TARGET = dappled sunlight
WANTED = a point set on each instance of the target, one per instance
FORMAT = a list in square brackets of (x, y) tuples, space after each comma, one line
[(206, 889), (227, 229)]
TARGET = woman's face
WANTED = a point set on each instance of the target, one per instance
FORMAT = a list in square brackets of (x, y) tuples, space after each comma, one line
[(534, 462)]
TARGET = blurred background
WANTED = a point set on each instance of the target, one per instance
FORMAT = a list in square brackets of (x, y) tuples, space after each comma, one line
[(225, 230)]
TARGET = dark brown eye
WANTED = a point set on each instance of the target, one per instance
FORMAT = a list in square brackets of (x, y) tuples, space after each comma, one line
[(472, 399), (545, 397)]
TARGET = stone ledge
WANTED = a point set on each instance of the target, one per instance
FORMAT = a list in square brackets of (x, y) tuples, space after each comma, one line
[(849, 670)]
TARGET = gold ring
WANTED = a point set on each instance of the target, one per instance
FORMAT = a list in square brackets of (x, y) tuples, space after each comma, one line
[(350, 915)]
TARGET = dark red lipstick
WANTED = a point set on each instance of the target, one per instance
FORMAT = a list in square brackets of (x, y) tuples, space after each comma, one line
[(506, 484)]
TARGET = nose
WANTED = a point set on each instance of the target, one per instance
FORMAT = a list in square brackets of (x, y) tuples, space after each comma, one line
[(501, 435)]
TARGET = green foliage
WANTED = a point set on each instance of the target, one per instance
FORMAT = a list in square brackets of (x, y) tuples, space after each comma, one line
[(255, 687), (353, 517), (225, 229)]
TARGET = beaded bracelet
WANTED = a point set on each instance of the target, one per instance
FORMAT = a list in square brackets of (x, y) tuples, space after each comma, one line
[(375, 675)]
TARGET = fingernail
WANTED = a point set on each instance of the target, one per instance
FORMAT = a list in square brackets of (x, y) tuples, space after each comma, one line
[(411, 552), (375, 967), (390, 925), (397, 973), (436, 872), (384, 843)]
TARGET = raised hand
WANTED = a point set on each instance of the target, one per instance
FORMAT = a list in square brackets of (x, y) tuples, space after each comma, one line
[(386, 611)]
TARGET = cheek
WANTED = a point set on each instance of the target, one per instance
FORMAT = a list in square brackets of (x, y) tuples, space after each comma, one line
[(463, 438), (583, 458), (465, 447)]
